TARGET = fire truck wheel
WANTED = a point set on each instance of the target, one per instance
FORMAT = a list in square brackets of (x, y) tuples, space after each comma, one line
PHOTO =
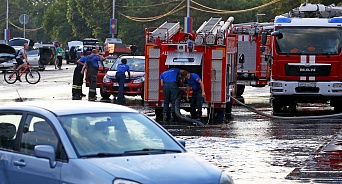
[(240, 89), (228, 113), (104, 94), (276, 106), (159, 113)]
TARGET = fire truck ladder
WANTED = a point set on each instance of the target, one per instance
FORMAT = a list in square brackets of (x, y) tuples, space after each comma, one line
[(165, 31), (208, 30), (307, 10)]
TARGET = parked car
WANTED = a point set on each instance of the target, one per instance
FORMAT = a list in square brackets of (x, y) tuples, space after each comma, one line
[(133, 86), (7, 57), (108, 62), (47, 55), (33, 55), (7, 54), (48, 141)]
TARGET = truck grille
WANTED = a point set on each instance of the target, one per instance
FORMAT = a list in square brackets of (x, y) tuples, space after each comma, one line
[(307, 70)]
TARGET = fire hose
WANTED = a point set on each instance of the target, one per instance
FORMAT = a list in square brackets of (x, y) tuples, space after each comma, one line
[(180, 115), (285, 118)]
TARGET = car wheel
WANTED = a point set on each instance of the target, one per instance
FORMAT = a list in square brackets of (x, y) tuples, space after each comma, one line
[(104, 95)]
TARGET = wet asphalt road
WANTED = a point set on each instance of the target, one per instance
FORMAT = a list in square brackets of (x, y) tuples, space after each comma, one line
[(250, 147)]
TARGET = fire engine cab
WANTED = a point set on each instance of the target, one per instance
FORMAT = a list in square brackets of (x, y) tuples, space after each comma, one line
[(253, 68), (210, 53), (307, 60)]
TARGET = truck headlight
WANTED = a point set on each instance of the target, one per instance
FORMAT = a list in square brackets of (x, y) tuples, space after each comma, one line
[(139, 80), (276, 84), (106, 79), (337, 85), (226, 179)]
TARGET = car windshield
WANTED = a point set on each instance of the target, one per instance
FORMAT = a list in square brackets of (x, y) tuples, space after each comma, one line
[(314, 41), (135, 64), (117, 134), (17, 42), (108, 62)]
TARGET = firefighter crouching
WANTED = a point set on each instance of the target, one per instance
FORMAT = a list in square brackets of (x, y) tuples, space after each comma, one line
[(92, 65)]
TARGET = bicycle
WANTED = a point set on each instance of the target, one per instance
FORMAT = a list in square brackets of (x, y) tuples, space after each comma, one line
[(31, 76)]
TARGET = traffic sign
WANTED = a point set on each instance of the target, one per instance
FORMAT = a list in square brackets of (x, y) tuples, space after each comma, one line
[(23, 19)]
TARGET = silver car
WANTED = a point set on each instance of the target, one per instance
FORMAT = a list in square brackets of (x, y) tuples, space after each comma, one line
[(88, 142)]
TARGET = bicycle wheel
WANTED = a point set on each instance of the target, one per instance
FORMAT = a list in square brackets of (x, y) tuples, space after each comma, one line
[(10, 77), (32, 76)]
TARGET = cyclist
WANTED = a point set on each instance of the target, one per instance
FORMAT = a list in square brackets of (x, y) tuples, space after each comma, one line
[(20, 59)]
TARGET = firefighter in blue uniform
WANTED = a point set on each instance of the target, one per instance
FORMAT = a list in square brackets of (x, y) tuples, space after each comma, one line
[(92, 66), (169, 84), (77, 80), (194, 81), (121, 77)]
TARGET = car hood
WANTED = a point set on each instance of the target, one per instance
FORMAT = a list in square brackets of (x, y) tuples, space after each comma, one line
[(6, 49), (163, 168), (133, 74)]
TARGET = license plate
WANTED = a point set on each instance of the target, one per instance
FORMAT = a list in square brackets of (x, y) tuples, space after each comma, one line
[(306, 84), (117, 84)]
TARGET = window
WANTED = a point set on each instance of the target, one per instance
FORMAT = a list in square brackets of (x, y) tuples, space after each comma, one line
[(37, 132), (9, 123)]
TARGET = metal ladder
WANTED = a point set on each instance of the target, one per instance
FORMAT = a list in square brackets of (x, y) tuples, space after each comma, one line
[(209, 26), (166, 30)]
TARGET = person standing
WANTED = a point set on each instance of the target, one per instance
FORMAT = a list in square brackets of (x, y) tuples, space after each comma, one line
[(77, 80), (194, 81), (121, 77), (134, 49), (22, 54), (60, 53), (168, 81), (92, 66)]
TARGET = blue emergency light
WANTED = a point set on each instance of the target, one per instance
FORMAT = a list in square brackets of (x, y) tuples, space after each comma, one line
[(336, 20), (283, 20)]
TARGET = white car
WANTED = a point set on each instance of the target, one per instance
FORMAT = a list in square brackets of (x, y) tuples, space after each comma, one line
[(33, 56), (8, 53)]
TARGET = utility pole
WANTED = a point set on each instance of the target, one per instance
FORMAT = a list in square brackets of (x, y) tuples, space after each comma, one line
[(188, 19), (6, 31), (113, 32)]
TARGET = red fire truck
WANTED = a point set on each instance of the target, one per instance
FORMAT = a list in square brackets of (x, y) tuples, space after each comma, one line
[(253, 68), (210, 52), (307, 59)]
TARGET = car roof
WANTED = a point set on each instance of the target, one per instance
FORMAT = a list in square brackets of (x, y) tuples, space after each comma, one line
[(66, 107), (138, 57)]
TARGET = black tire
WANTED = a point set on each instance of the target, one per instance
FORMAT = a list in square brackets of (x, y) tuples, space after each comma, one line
[(228, 110), (32, 77), (104, 95), (9, 78), (159, 113), (240, 89), (277, 106)]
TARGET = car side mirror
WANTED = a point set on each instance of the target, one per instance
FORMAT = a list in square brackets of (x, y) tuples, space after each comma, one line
[(46, 151)]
